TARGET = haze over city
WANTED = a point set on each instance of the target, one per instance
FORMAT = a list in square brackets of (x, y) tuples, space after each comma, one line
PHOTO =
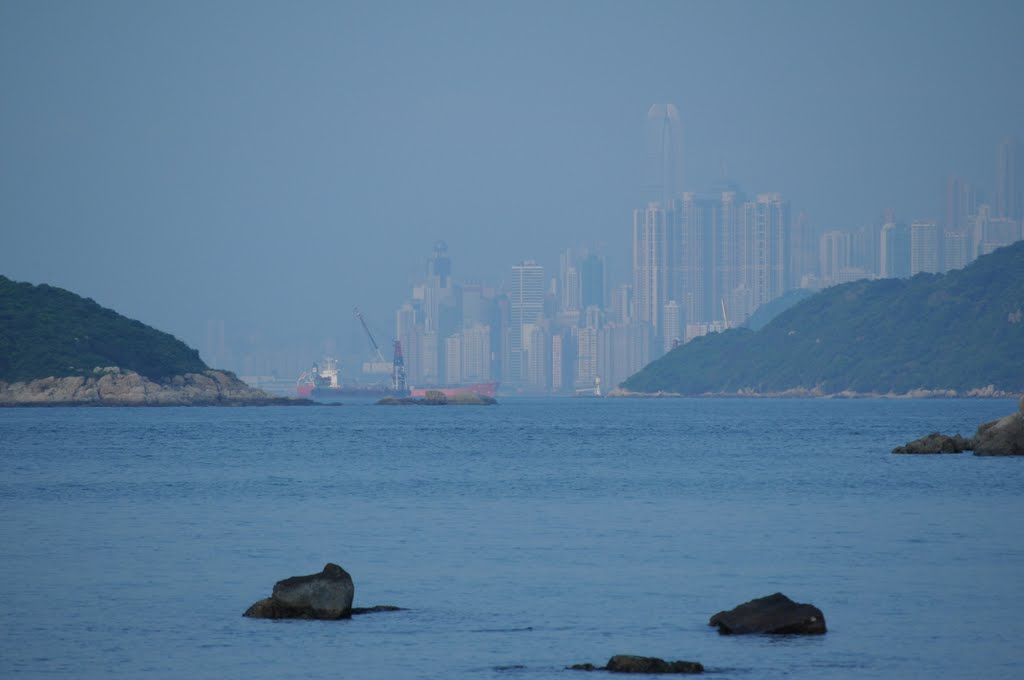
[(269, 166)]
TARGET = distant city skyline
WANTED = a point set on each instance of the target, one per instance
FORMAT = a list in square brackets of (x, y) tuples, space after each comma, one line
[(701, 263), (250, 171)]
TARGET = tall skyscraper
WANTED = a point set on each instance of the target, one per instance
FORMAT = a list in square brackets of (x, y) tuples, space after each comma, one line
[(734, 257), (894, 251), (569, 282), (1009, 180), (834, 255), (537, 356), (476, 354), (651, 262), (592, 282), (453, 359), (959, 204), (664, 154), (767, 226), (956, 250), (586, 356), (526, 298), (697, 254), (440, 264), (673, 328), (558, 364), (925, 248)]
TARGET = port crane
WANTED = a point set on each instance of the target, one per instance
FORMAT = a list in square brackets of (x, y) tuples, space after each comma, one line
[(397, 362), (366, 329)]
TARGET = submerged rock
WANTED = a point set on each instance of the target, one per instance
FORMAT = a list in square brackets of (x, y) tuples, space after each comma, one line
[(356, 611), (775, 614), (936, 443), (626, 663), (327, 595)]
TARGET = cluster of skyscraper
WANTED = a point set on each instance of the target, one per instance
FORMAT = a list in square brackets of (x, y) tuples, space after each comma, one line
[(519, 335), (971, 226), (700, 263)]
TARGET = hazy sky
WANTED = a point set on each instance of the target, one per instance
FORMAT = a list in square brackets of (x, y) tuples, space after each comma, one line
[(275, 164)]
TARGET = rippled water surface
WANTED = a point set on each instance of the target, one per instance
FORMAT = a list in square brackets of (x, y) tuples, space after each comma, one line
[(522, 537)]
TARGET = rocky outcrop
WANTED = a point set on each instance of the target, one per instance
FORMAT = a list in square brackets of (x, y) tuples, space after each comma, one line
[(625, 663), (936, 443), (1003, 437), (775, 614), (436, 398), (113, 387), (327, 595)]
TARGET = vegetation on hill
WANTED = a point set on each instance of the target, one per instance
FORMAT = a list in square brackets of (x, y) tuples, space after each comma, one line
[(763, 315), (47, 331), (962, 330)]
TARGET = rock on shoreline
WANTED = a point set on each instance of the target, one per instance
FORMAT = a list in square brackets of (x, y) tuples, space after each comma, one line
[(114, 387), (987, 392), (1003, 437), (937, 442)]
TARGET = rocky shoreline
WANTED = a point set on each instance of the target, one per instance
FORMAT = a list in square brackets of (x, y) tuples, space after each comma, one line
[(987, 392), (112, 386), (1002, 437)]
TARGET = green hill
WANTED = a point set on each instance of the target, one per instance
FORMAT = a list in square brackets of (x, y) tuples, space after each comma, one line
[(962, 330), (47, 331)]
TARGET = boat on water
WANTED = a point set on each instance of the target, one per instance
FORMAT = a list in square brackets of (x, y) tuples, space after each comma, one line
[(323, 383), (485, 389)]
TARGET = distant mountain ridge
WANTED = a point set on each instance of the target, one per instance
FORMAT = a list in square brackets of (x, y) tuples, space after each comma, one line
[(955, 333)]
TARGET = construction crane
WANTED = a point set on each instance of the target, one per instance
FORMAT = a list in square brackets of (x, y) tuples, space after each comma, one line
[(398, 371), (359, 315)]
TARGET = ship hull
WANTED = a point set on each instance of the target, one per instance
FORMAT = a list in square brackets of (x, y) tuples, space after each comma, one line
[(353, 392), (481, 389)]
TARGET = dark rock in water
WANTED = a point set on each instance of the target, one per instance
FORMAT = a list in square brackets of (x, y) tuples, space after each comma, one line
[(327, 595), (1003, 437), (775, 614), (936, 443), (625, 663), (356, 611)]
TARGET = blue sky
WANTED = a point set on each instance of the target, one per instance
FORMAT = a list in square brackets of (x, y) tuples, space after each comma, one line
[(275, 164)]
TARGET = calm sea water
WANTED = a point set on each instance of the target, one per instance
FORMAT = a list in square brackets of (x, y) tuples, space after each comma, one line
[(523, 538)]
